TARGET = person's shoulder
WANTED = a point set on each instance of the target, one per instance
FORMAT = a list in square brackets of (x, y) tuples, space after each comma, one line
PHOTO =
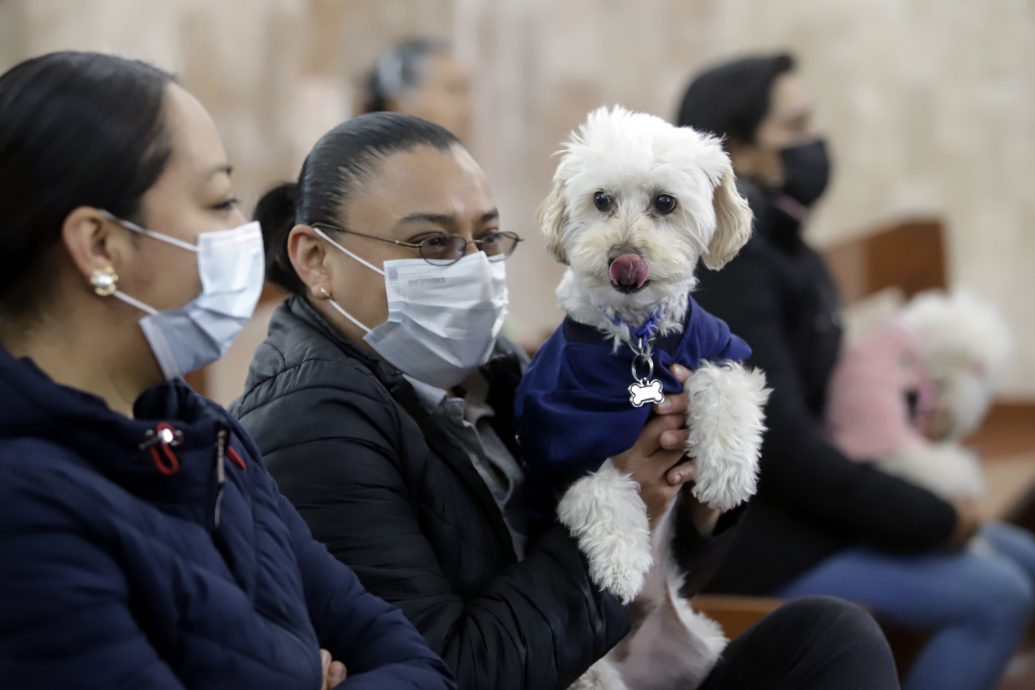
[(758, 248), (33, 456), (47, 483), (304, 365), (323, 369), (757, 263), (321, 393)]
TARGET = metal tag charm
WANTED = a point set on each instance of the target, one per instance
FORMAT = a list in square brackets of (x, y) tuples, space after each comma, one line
[(645, 389)]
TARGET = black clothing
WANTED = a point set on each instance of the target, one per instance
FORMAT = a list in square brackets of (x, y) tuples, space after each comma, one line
[(813, 643), (812, 501)]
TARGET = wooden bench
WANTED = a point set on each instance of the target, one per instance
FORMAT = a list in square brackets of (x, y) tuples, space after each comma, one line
[(1006, 442), (909, 256)]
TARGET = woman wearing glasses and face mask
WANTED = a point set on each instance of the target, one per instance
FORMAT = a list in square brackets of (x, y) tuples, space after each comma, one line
[(383, 401), (144, 544)]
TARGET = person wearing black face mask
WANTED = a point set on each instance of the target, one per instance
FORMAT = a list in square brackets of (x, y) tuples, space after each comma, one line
[(806, 169), (821, 523)]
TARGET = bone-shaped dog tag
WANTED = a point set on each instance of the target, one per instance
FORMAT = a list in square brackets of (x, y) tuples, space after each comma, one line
[(644, 391)]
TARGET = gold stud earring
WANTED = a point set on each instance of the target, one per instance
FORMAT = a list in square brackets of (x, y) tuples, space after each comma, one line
[(104, 281)]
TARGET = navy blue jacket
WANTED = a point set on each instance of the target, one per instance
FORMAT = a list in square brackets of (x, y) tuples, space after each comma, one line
[(573, 403), (126, 563)]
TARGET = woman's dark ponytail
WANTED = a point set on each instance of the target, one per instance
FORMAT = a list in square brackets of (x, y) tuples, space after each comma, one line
[(276, 213)]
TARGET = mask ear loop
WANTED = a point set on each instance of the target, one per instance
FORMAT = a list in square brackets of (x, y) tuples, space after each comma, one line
[(133, 227), (345, 251), (341, 310), (130, 225), (327, 295), (133, 302)]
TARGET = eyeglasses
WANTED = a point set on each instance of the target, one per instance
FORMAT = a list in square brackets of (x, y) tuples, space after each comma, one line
[(445, 249)]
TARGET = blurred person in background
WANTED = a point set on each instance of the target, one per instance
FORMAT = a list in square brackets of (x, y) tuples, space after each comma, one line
[(144, 544), (822, 523), (422, 77)]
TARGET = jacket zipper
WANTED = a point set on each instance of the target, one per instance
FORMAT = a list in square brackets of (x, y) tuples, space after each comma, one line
[(221, 454), (220, 473)]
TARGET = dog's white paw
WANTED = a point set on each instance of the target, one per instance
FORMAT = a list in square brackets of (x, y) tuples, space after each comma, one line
[(605, 514), (726, 422)]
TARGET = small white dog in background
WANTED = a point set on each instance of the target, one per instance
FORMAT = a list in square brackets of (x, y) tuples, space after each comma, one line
[(907, 394), (635, 203)]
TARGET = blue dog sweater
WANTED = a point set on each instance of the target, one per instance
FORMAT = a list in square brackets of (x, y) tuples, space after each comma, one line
[(573, 410)]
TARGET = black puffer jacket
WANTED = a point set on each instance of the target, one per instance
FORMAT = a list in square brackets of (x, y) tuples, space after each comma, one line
[(812, 501), (390, 494)]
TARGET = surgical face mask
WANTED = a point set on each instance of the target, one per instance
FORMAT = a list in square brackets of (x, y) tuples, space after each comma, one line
[(806, 169), (442, 320), (231, 268)]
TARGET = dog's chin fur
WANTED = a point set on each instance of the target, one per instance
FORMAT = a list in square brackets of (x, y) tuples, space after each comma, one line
[(600, 305)]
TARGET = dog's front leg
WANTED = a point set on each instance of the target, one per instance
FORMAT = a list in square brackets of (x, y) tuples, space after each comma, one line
[(605, 514), (670, 647), (726, 422)]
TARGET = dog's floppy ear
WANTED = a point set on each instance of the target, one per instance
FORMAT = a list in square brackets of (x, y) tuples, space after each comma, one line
[(732, 221), (552, 216)]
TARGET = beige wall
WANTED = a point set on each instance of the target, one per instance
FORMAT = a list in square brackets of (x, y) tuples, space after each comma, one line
[(930, 104)]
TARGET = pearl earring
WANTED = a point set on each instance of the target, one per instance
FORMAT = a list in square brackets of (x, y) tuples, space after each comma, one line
[(104, 281)]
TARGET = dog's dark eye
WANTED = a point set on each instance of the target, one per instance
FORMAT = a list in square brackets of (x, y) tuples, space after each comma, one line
[(664, 204), (603, 201)]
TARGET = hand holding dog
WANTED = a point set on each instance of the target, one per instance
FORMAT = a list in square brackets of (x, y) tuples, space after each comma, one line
[(657, 459)]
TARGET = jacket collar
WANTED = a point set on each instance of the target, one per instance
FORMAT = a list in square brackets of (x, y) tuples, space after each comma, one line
[(33, 405), (301, 309)]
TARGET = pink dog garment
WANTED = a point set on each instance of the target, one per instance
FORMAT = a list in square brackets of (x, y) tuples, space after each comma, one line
[(868, 416)]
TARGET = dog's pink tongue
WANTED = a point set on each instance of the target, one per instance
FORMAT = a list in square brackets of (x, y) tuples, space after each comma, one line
[(629, 270)]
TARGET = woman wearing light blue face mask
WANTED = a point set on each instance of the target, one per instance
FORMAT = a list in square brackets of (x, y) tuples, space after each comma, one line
[(144, 543), (383, 401)]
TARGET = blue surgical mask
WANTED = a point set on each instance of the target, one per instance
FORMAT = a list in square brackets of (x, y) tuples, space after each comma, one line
[(231, 268)]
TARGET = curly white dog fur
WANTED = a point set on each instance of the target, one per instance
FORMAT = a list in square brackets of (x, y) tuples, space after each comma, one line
[(949, 351), (633, 190)]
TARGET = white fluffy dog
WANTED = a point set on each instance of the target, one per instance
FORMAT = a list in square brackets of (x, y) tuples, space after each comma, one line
[(906, 394), (635, 203)]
